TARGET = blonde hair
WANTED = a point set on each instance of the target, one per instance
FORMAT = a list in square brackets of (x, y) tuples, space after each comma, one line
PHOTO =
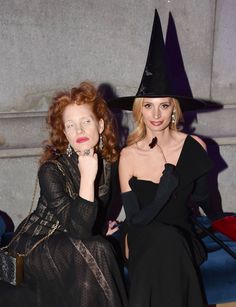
[(140, 130)]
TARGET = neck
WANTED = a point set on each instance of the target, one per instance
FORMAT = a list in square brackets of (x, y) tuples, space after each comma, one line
[(163, 137)]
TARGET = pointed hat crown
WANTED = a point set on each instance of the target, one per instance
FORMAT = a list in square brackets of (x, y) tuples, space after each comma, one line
[(154, 82), (157, 79)]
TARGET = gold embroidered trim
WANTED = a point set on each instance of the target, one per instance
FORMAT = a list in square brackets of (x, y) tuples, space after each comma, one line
[(88, 257)]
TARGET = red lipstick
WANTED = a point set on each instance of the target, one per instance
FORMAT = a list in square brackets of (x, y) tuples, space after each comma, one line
[(82, 140)]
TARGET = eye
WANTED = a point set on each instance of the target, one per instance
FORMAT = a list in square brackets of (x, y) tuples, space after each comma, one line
[(165, 105), (147, 105), (86, 121), (69, 126)]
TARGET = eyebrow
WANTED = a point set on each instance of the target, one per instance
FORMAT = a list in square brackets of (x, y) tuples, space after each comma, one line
[(81, 118), (167, 101), (147, 102)]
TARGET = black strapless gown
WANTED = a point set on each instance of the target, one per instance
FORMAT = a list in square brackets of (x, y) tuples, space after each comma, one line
[(164, 253), (161, 267)]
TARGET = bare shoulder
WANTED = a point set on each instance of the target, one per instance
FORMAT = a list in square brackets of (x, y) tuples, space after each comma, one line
[(125, 168), (127, 152), (200, 141), (126, 157), (179, 138)]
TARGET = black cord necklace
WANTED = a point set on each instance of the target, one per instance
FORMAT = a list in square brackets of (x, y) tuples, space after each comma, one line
[(153, 142)]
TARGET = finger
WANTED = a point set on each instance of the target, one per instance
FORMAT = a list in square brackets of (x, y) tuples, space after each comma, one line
[(114, 230), (112, 223), (111, 231), (87, 152)]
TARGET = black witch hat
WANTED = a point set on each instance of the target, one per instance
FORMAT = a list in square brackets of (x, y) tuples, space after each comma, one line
[(157, 78)]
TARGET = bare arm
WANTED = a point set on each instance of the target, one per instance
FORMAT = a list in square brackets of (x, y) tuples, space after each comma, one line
[(125, 173), (125, 169)]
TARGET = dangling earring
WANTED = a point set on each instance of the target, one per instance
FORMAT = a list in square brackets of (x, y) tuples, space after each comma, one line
[(173, 118), (100, 145), (69, 150)]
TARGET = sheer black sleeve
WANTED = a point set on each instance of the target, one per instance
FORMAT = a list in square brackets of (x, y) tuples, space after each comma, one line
[(76, 215), (166, 187)]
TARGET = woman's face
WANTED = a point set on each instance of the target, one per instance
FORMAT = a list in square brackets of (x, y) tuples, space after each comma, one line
[(157, 113), (82, 128)]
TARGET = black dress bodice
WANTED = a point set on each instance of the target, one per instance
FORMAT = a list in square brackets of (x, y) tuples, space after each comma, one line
[(168, 201), (145, 190), (163, 248)]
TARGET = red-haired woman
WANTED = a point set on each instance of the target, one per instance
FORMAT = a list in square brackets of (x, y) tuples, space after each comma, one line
[(72, 265)]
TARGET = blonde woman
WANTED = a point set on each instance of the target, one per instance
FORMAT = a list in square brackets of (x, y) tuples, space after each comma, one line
[(161, 170)]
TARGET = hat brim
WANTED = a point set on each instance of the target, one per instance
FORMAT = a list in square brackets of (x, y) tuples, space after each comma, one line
[(186, 103)]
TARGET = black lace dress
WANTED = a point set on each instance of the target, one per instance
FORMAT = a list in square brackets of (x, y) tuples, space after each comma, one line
[(164, 252), (74, 265)]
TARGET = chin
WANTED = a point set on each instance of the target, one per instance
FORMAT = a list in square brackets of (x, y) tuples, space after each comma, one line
[(160, 128), (156, 129)]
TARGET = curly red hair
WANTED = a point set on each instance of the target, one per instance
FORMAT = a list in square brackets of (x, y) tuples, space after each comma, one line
[(85, 93)]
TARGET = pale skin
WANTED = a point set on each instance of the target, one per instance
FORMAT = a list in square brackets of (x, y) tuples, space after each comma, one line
[(139, 159), (82, 130)]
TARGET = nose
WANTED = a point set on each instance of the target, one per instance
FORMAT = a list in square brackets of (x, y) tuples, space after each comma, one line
[(156, 113), (79, 128)]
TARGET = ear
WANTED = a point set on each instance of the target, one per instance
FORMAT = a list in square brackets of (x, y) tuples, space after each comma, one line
[(100, 125)]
